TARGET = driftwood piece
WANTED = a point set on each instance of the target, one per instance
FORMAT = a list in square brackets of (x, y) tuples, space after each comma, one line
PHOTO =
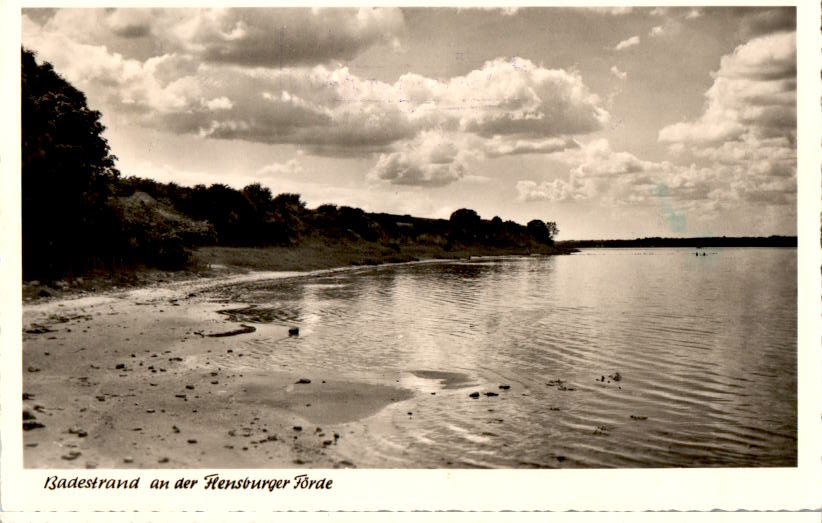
[(244, 329)]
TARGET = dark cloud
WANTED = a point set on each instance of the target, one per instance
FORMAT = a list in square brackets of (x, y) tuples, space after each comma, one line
[(768, 21)]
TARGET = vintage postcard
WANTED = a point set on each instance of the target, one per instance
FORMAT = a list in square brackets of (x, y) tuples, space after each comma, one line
[(411, 258)]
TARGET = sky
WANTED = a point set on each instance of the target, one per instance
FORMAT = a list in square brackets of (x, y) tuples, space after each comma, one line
[(614, 122)]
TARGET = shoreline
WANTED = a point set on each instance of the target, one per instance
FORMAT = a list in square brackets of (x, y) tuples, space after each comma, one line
[(132, 378)]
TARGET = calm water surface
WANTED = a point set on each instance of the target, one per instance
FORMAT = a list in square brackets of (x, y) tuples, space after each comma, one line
[(705, 348)]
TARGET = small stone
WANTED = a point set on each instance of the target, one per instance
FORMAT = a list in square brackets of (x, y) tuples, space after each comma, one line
[(297, 428), (71, 455), (33, 369), (120, 366), (162, 460), (303, 381), (192, 441), (327, 442), (31, 425), (505, 387), (190, 387), (474, 395), (128, 459), (150, 411), (490, 394)]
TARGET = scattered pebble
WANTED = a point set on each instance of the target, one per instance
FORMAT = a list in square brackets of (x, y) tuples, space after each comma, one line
[(162, 460), (120, 366), (297, 428), (78, 431), (192, 441), (128, 459), (474, 395), (303, 381), (71, 455), (505, 387)]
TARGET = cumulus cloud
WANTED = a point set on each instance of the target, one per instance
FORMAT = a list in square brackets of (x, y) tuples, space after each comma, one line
[(622, 75), (627, 43), (248, 36), (430, 160), (656, 31), (753, 96), (210, 77)]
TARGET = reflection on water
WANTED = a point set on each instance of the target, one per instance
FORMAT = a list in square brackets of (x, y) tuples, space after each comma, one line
[(705, 348)]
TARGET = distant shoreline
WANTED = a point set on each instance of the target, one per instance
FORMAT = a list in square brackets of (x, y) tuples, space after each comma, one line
[(697, 242)]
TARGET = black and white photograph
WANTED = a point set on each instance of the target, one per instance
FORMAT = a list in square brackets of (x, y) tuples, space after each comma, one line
[(409, 238)]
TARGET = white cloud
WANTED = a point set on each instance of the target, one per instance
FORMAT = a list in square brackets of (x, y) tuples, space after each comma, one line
[(622, 75), (219, 103), (430, 160), (753, 96), (656, 31), (694, 13), (292, 166), (627, 43)]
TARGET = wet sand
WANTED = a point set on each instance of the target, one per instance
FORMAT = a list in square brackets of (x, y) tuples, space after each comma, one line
[(130, 380)]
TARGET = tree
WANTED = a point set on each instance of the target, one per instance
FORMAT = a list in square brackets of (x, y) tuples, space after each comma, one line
[(465, 225), (542, 232), (67, 171)]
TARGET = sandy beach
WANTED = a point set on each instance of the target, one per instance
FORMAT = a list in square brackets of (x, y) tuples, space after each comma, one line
[(129, 379)]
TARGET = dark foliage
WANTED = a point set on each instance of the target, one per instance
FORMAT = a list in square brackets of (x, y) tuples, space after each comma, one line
[(67, 172)]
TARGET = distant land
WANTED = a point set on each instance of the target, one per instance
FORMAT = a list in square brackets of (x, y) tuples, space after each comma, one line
[(702, 241)]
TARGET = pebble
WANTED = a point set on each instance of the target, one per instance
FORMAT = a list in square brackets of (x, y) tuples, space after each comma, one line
[(128, 459), (72, 455), (162, 460), (192, 441), (474, 395), (303, 381), (505, 387), (297, 428)]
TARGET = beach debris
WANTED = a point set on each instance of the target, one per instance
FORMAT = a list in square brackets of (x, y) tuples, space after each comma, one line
[(190, 387), (564, 388), (244, 329), (505, 387), (78, 431), (303, 381), (162, 460), (31, 425), (615, 376), (639, 418), (33, 369), (490, 394), (71, 455), (294, 331), (120, 366), (327, 442), (192, 441), (36, 328), (554, 383), (175, 429), (474, 395), (297, 428)]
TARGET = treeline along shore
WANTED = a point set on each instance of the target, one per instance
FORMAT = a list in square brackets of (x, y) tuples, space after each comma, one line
[(697, 242), (83, 221)]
